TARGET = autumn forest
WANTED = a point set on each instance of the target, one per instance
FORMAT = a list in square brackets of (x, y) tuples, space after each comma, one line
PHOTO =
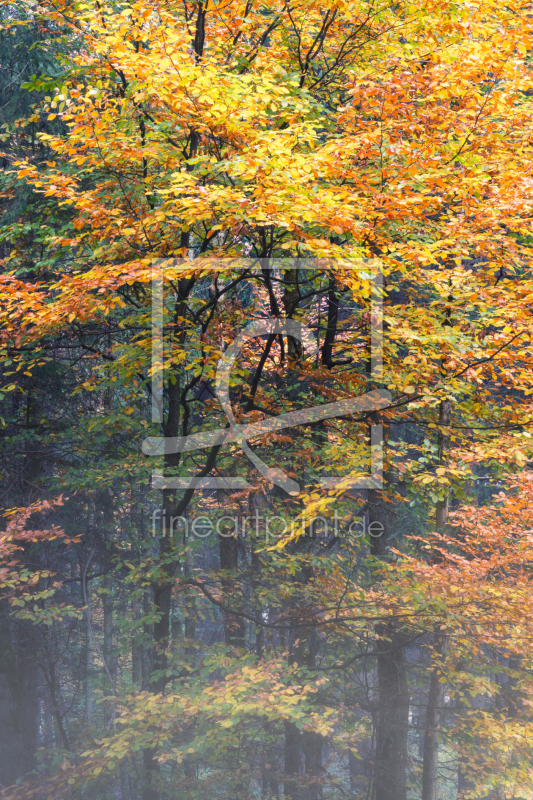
[(266, 400)]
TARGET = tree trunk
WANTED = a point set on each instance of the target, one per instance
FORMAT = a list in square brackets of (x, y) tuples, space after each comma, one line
[(12, 756), (302, 782), (430, 768), (312, 749), (107, 603), (352, 771), (392, 727), (393, 716), (441, 508), (146, 663), (54, 689), (162, 587), (331, 330), (27, 685), (292, 752), (189, 600), (234, 630), (88, 666), (156, 684), (269, 769), (136, 646), (291, 299), (151, 770)]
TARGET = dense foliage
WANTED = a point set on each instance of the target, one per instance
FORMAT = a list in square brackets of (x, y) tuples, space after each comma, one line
[(217, 216)]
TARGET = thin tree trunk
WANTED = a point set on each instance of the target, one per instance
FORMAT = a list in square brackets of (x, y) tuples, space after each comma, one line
[(162, 588), (269, 781), (59, 715), (302, 651), (292, 753), (353, 763), (48, 738), (107, 603), (190, 600), (291, 299), (146, 652), (12, 755), (392, 726), (27, 669), (136, 645), (260, 609), (393, 716), (312, 748), (234, 629), (331, 330), (311, 741), (441, 508), (88, 658), (430, 768), (151, 770)]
